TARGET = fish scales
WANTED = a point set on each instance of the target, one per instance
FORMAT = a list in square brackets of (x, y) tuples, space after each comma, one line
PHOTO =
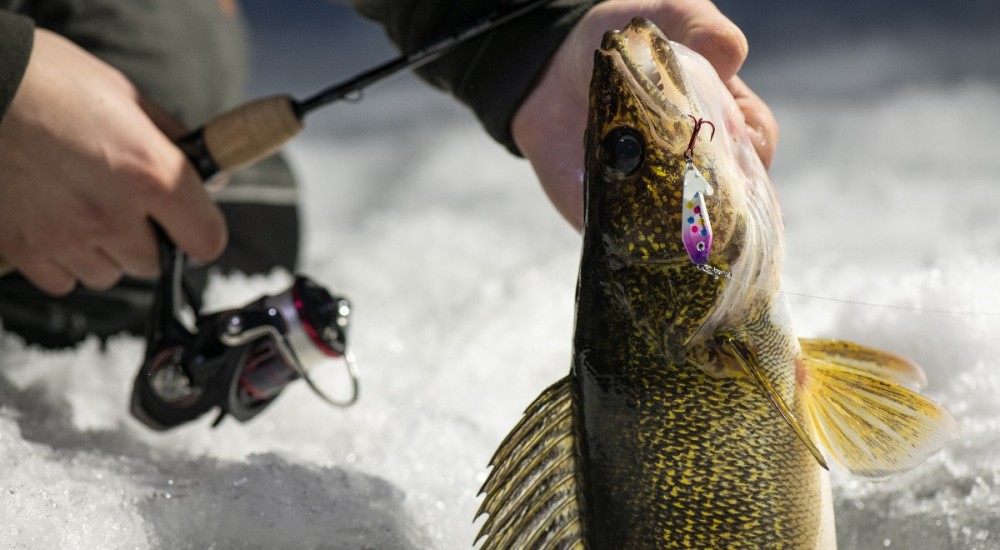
[(691, 412), (710, 455)]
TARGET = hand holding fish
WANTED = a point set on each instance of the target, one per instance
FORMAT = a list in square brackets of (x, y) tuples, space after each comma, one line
[(548, 126)]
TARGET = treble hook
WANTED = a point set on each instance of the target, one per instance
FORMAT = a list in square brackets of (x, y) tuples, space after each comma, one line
[(698, 122)]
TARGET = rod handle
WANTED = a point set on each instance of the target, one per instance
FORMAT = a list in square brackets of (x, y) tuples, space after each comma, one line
[(243, 135)]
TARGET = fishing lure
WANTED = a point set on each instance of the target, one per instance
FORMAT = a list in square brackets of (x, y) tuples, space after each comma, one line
[(696, 227)]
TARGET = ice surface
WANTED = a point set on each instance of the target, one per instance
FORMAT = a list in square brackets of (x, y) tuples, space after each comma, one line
[(462, 278)]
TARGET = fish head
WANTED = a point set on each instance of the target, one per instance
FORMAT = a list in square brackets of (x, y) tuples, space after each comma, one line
[(647, 93)]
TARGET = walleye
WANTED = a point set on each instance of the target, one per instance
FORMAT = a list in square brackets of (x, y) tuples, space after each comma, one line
[(692, 416)]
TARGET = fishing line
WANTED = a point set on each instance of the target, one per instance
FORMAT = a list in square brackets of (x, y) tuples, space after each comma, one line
[(721, 273), (696, 234)]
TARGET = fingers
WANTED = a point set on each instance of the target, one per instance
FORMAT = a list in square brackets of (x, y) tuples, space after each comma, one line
[(698, 24), (761, 125), (48, 276), (97, 264), (187, 213), (138, 254), (133, 253), (189, 216), (704, 29), (93, 268), (165, 187)]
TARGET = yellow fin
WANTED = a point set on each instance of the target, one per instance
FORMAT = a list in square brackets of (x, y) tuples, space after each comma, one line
[(533, 494), (746, 357), (881, 364), (871, 425)]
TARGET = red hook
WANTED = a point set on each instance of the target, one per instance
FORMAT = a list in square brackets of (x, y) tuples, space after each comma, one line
[(698, 122)]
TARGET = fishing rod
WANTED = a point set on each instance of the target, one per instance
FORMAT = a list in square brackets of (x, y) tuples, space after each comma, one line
[(254, 130)]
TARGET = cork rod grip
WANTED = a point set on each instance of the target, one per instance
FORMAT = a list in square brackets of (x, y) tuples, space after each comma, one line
[(251, 131)]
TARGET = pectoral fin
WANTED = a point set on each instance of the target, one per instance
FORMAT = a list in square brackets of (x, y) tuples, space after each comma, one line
[(533, 492), (881, 364), (870, 423), (746, 357)]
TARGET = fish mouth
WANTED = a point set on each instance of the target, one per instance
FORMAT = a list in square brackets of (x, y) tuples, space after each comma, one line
[(645, 55)]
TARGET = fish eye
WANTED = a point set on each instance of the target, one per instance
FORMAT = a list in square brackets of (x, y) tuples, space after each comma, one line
[(622, 151)]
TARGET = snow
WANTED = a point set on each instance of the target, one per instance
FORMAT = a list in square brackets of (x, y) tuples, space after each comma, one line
[(462, 278)]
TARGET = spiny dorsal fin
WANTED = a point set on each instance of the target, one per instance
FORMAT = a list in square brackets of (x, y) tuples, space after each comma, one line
[(873, 426), (533, 494), (876, 362)]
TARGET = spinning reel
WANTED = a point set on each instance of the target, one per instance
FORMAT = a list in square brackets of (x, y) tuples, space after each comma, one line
[(238, 360)]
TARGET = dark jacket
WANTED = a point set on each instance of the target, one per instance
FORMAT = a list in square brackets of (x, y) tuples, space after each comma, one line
[(492, 74), (16, 38), (188, 56)]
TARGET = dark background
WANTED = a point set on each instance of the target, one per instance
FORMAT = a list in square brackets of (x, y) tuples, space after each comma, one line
[(307, 44)]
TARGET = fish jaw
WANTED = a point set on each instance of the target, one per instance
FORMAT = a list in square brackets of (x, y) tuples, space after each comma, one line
[(646, 84)]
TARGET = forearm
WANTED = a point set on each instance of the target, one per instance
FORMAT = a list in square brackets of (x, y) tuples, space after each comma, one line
[(492, 75), (16, 39)]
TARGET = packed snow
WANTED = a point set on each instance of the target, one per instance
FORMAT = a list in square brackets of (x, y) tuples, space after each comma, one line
[(462, 278)]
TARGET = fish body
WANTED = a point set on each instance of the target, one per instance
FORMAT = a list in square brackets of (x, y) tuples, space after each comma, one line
[(692, 416)]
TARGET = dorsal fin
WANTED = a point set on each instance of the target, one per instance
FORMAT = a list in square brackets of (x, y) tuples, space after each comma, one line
[(534, 493)]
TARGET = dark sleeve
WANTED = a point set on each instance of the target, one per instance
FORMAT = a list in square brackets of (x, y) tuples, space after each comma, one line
[(492, 74), (17, 35)]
